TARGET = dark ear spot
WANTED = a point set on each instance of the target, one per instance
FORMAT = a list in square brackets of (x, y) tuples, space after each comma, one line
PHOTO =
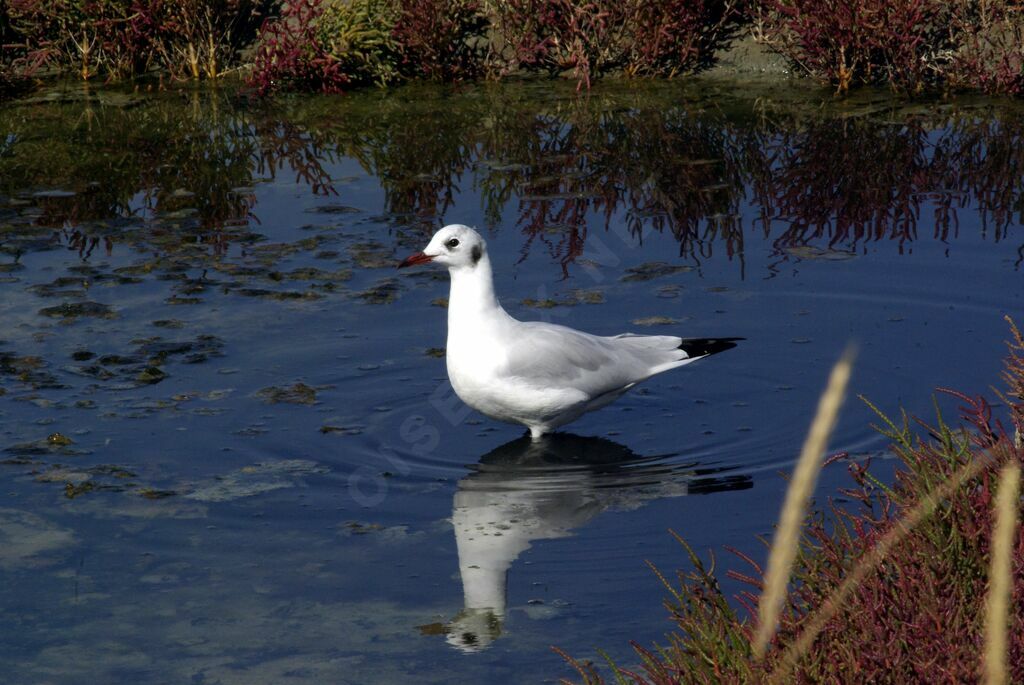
[(476, 254)]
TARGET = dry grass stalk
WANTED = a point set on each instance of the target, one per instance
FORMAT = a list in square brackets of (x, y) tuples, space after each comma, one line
[(1000, 589), (787, 537)]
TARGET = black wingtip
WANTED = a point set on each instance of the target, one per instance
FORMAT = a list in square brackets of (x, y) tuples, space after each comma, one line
[(702, 347)]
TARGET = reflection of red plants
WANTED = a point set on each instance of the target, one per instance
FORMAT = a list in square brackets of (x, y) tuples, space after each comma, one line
[(812, 190), (567, 176), (802, 179), (638, 170), (668, 171), (287, 146)]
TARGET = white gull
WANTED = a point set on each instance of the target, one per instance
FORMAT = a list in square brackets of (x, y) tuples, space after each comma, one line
[(539, 374)]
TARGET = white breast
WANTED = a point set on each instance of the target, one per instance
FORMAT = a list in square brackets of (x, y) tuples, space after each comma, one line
[(475, 371)]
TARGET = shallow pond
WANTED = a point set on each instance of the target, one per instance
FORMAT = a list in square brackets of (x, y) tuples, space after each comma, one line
[(229, 450)]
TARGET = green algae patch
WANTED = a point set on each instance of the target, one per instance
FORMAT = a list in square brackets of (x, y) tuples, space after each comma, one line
[(70, 311), (655, 321), (152, 493), (151, 375), (60, 444), (546, 303), (278, 295), (297, 393), (341, 430), (382, 292), (372, 255), (813, 252), (650, 270), (58, 440), (571, 299), (73, 490), (312, 273), (168, 323), (63, 286), (256, 479)]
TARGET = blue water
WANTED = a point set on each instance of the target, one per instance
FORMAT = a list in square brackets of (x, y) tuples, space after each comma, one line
[(201, 528)]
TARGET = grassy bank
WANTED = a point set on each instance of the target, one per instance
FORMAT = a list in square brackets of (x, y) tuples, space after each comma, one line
[(903, 586), (336, 45)]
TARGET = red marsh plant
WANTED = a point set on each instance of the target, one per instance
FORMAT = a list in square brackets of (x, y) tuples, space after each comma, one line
[(201, 38), (442, 40), (87, 37), (585, 37), (121, 38), (991, 53), (675, 36), (327, 46), (917, 610), (846, 42), (594, 37), (907, 43), (290, 54), (8, 78)]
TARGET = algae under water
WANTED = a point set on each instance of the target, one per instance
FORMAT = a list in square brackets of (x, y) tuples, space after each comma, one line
[(261, 475)]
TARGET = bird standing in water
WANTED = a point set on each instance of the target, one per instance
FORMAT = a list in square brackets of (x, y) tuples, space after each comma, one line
[(538, 374)]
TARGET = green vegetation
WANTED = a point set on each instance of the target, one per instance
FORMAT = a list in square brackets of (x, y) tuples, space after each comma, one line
[(336, 45)]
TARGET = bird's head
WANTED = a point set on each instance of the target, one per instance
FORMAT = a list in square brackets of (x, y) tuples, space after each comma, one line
[(473, 630), (455, 246)]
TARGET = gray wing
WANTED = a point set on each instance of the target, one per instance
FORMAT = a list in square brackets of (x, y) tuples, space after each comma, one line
[(545, 355)]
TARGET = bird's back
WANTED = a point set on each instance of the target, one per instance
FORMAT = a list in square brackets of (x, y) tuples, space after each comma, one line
[(549, 353)]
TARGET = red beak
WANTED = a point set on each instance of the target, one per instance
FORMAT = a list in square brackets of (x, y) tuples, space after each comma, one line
[(418, 258)]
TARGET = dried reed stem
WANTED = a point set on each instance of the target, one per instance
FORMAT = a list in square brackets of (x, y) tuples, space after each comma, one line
[(787, 537), (1000, 575)]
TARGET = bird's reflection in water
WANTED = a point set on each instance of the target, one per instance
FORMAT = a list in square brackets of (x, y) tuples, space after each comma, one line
[(529, 490)]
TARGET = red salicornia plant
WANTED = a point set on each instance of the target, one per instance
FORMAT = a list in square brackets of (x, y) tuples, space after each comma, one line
[(915, 612)]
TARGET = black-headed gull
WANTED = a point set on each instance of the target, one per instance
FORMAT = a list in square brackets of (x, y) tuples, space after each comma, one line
[(539, 374)]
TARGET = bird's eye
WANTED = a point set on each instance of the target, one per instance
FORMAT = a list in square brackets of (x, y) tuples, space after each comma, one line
[(453, 243)]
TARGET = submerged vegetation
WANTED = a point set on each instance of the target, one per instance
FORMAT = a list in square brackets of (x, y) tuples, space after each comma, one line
[(336, 45), (895, 587)]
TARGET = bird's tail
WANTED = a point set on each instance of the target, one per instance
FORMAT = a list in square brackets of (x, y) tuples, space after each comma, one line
[(703, 347)]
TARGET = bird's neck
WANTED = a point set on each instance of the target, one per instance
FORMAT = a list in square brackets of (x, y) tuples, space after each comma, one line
[(484, 588), (472, 293)]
